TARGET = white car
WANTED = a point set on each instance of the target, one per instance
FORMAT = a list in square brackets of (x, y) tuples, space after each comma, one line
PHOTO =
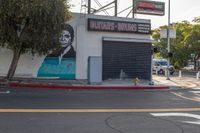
[(160, 66), (189, 67)]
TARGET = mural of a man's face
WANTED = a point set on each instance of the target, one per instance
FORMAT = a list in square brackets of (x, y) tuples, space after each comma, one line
[(65, 38)]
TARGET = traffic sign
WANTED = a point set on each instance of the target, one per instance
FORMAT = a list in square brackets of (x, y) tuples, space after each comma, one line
[(192, 55), (172, 33)]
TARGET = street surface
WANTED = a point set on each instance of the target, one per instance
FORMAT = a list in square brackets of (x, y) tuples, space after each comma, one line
[(103, 111), (107, 111)]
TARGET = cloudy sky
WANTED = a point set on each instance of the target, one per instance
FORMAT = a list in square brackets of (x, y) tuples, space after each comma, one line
[(180, 10)]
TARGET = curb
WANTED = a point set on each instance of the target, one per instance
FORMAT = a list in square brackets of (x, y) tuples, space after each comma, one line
[(44, 86)]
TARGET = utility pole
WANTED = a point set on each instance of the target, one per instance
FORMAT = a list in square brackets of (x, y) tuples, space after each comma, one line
[(168, 41), (89, 6), (133, 9), (116, 8)]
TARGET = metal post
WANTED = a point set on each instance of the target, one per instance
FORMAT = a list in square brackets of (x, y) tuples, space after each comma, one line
[(168, 40), (116, 8), (197, 75), (133, 9), (89, 6), (180, 75), (151, 78)]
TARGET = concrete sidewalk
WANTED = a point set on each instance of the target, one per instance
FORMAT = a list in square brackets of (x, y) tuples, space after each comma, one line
[(80, 84), (181, 82), (160, 82)]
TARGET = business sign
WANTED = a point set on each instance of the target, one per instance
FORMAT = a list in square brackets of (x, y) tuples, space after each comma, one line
[(118, 26), (150, 7)]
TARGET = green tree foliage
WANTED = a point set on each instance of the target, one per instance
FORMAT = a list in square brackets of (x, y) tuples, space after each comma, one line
[(196, 20), (193, 41), (31, 26), (179, 46), (187, 41)]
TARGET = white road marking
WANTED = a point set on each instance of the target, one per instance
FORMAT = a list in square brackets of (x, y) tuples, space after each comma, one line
[(196, 92), (177, 114), (196, 88), (187, 98), (180, 115), (4, 92), (197, 99), (192, 122)]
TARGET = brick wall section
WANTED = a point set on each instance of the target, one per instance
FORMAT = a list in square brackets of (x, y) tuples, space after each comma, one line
[(134, 58)]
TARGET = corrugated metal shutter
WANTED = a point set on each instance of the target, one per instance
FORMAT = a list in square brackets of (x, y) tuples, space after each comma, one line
[(134, 58)]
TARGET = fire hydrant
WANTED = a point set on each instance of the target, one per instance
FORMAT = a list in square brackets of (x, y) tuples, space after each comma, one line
[(136, 81)]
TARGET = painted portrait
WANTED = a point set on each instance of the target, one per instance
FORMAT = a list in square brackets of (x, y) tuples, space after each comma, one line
[(61, 62)]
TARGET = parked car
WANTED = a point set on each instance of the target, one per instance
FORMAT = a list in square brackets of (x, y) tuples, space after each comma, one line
[(160, 66), (189, 67)]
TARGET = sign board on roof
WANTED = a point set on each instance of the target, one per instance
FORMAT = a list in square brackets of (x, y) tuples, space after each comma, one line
[(118, 26), (150, 7)]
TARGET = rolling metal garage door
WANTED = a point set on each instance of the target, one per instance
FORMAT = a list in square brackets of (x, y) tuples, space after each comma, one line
[(134, 58)]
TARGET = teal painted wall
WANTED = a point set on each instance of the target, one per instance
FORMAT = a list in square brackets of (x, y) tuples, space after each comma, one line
[(51, 68)]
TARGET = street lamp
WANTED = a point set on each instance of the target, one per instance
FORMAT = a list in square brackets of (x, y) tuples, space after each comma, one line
[(168, 40)]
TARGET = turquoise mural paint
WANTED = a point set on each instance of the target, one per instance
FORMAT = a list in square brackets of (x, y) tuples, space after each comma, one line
[(52, 68), (61, 63)]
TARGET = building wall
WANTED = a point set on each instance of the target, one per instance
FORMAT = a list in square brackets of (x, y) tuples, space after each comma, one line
[(86, 43), (89, 43), (28, 65)]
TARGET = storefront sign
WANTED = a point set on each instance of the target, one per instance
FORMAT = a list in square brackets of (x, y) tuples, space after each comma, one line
[(150, 7), (118, 26)]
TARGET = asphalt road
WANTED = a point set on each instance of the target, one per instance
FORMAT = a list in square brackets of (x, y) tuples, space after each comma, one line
[(113, 111)]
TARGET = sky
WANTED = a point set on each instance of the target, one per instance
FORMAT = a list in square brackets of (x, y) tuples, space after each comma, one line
[(180, 10)]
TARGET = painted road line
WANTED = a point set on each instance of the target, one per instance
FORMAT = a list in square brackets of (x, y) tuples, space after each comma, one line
[(177, 114), (98, 110), (196, 92), (197, 99), (4, 92), (196, 88), (197, 117)]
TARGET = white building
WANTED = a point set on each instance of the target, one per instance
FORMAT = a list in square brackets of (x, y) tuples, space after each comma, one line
[(123, 44)]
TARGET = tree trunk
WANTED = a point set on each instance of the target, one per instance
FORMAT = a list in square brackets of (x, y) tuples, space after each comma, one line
[(13, 65)]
